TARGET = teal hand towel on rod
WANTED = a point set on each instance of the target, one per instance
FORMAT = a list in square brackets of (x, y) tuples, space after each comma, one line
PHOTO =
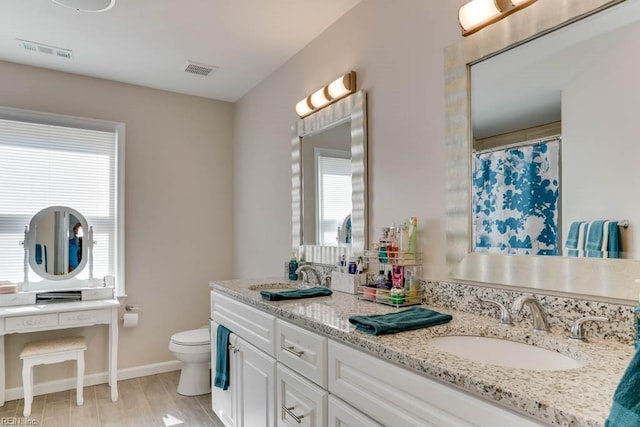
[(222, 358), (625, 410), (406, 320), (296, 294)]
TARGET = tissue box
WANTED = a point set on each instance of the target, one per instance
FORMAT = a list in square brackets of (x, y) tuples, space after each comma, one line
[(348, 283)]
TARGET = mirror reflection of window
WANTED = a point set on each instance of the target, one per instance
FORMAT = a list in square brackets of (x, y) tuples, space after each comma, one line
[(333, 195)]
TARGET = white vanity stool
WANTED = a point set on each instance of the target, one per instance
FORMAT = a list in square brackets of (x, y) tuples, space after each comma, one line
[(51, 351)]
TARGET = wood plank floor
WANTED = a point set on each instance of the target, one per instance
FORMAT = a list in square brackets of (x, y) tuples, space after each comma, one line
[(146, 401)]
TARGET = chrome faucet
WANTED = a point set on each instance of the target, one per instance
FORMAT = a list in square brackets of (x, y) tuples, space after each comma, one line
[(540, 323), (305, 270)]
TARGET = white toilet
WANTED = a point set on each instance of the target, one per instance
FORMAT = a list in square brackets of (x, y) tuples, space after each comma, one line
[(193, 349)]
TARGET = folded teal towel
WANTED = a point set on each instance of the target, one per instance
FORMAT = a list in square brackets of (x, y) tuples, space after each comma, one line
[(296, 293), (222, 358), (625, 410), (406, 320), (614, 245)]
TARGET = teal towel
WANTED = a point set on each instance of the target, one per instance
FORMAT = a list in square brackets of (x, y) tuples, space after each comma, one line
[(406, 320), (222, 358), (614, 245), (573, 238), (296, 293), (593, 244), (625, 410)]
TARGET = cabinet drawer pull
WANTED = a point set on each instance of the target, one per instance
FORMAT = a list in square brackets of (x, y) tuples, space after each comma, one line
[(294, 416), (293, 350)]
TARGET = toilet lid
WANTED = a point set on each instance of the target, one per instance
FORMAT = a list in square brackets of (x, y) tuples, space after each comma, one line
[(193, 337)]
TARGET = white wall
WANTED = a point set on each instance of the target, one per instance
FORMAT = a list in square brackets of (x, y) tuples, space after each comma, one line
[(600, 149), (396, 47), (178, 205)]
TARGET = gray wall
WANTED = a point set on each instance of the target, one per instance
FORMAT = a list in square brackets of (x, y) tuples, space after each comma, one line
[(178, 205), (396, 47)]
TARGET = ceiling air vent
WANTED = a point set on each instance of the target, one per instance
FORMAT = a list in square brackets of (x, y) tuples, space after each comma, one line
[(200, 69), (45, 49)]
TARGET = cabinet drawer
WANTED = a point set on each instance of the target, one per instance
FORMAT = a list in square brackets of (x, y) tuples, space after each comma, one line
[(342, 414), (300, 402), (254, 326), (21, 323), (303, 351), (84, 317), (395, 396)]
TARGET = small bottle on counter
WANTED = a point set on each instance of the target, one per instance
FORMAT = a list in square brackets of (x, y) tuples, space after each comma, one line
[(293, 266)]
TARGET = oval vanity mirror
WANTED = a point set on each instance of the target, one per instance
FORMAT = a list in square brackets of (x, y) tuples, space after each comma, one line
[(56, 243)]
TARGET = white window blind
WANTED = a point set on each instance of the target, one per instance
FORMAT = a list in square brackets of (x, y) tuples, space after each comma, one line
[(50, 160), (334, 193)]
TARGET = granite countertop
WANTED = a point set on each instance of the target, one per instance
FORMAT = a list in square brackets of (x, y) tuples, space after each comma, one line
[(575, 397)]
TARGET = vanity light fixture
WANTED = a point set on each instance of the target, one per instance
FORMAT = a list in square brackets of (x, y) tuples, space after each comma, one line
[(478, 14), (339, 88)]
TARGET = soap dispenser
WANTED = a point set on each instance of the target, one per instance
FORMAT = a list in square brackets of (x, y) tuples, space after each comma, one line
[(293, 266)]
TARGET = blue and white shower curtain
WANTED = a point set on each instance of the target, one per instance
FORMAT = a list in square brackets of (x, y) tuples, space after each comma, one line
[(515, 200)]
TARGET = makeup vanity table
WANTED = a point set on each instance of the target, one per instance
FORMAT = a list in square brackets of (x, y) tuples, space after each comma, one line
[(61, 315), (58, 247)]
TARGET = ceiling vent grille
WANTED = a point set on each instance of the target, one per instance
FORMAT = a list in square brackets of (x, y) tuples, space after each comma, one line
[(45, 49), (200, 69)]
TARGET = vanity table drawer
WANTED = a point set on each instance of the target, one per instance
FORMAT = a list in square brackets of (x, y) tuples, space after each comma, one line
[(84, 317), (303, 351), (19, 323)]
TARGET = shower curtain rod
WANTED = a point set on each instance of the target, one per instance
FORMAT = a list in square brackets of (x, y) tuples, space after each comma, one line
[(521, 144)]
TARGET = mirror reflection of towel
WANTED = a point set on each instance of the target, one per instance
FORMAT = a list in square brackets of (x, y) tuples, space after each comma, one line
[(575, 239), (596, 243)]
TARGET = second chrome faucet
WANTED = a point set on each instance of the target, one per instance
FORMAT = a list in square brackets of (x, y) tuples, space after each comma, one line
[(538, 316)]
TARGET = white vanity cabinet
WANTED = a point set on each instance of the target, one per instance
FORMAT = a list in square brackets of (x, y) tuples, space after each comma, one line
[(285, 375), (250, 398)]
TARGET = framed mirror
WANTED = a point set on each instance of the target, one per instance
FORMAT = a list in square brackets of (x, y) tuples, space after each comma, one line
[(603, 62), (57, 245), (329, 177)]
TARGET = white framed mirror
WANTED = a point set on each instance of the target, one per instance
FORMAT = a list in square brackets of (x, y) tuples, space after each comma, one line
[(329, 181), (604, 279)]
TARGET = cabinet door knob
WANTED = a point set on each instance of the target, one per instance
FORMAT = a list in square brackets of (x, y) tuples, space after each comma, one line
[(289, 411), (293, 350)]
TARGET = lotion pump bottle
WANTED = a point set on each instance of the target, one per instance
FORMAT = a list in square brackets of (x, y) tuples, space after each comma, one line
[(293, 266)]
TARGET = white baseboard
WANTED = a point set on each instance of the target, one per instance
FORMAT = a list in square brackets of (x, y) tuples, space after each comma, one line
[(94, 379)]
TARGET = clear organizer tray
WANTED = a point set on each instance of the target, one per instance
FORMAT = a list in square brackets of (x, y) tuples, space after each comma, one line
[(384, 296)]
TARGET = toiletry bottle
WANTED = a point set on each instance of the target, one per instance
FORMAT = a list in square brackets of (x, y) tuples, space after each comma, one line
[(380, 280), (293, 266), (398, 276), (392, 247)]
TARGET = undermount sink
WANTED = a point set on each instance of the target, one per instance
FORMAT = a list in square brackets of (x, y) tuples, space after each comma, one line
[(509, 354)]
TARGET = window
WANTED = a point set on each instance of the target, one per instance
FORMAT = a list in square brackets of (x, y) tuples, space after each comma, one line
[(334, 195), (53, 160)]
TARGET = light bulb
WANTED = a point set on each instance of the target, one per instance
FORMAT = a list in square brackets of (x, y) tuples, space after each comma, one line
[(476, 12)]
